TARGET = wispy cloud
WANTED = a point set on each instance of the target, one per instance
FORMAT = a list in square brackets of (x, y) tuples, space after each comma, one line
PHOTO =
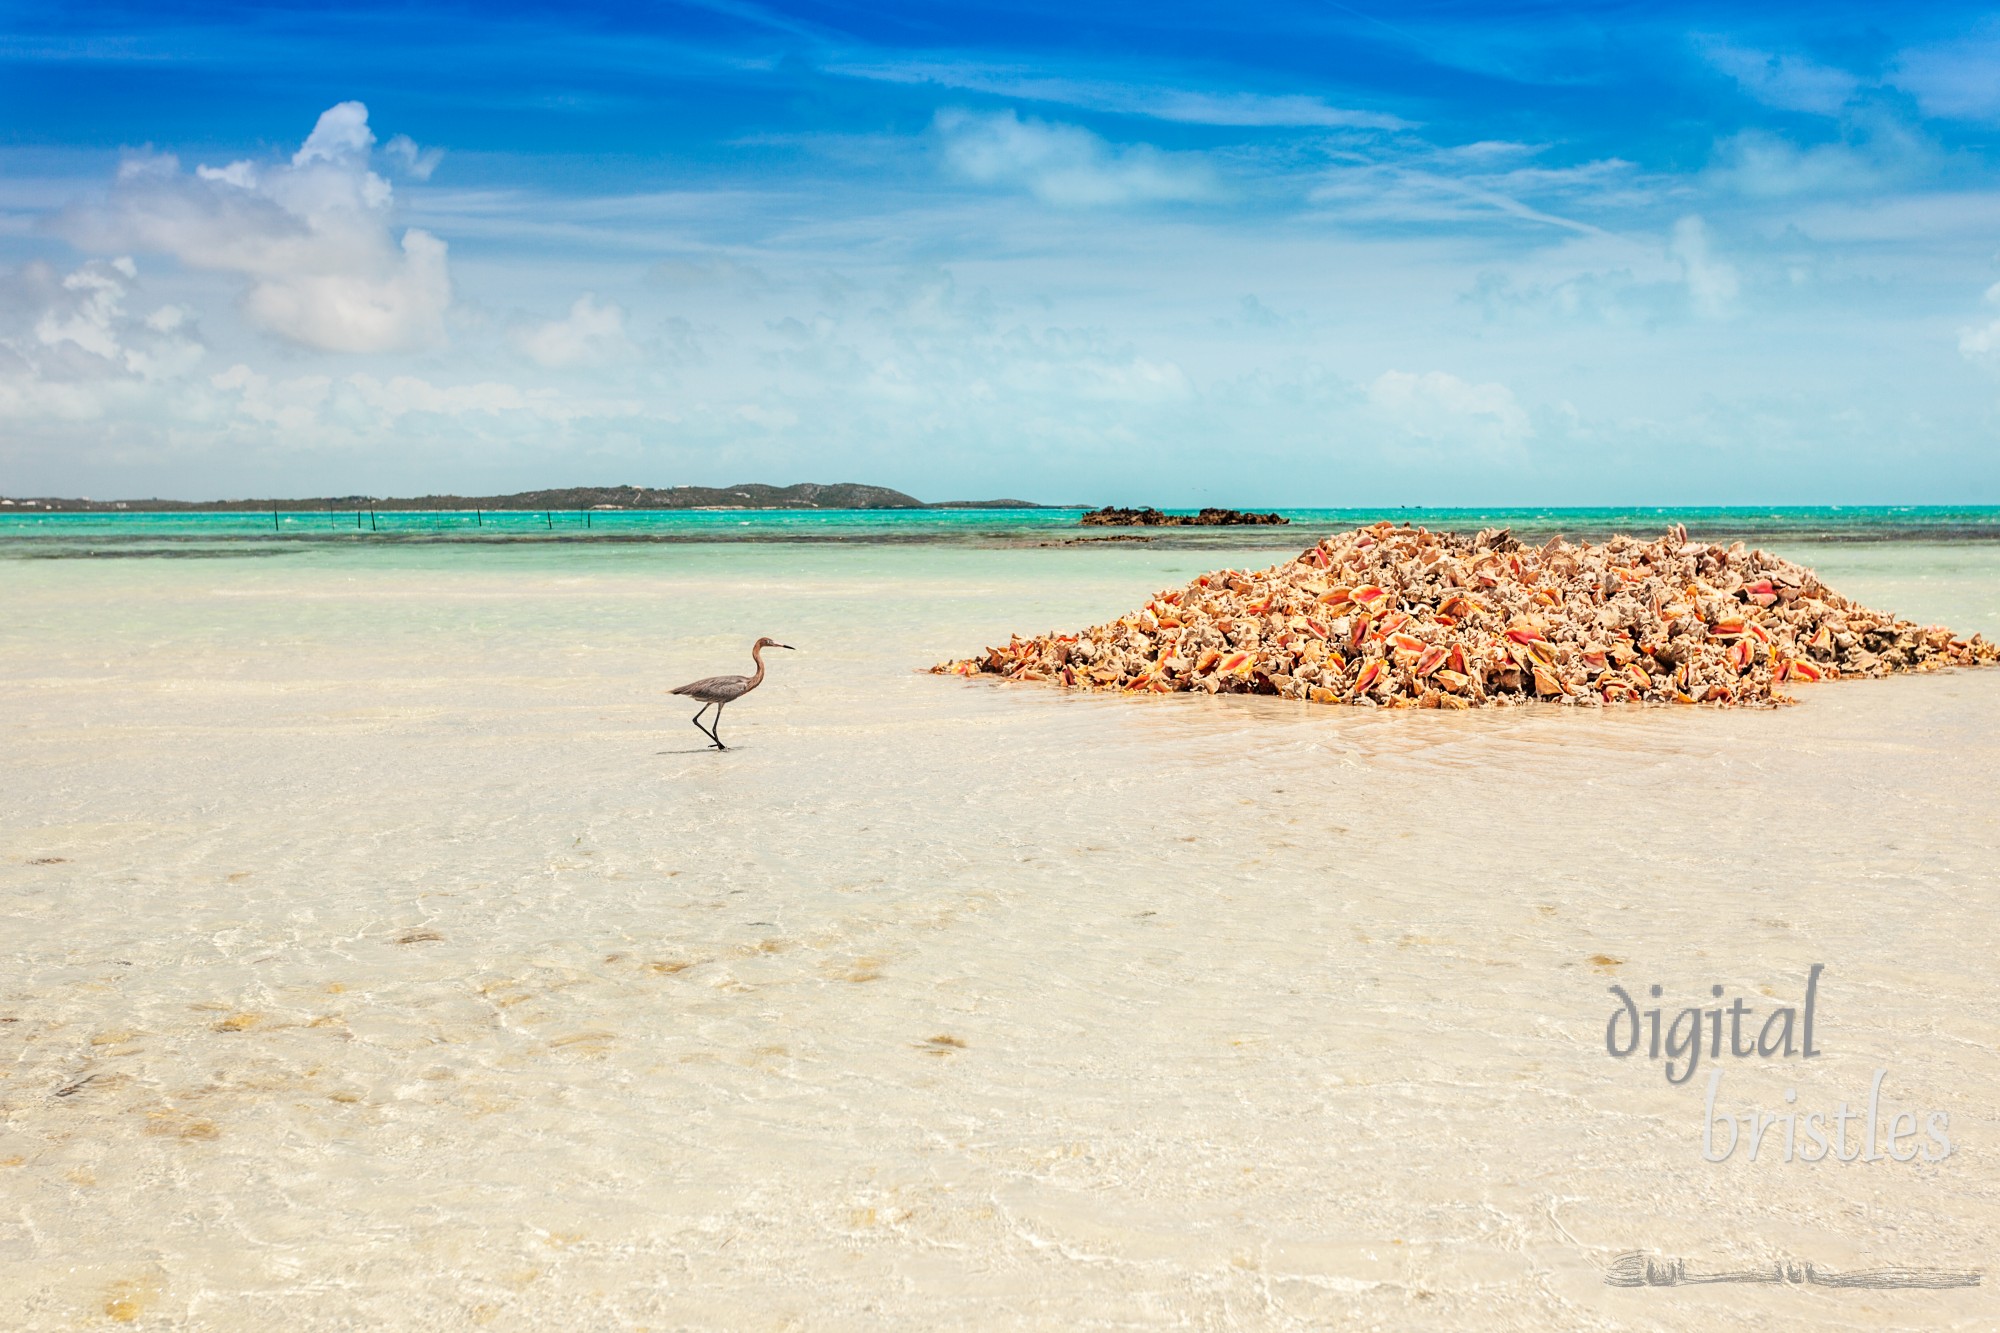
[(1142, 95), (1066, 165), (1786, 80), (1480, 187), (1957, 80)]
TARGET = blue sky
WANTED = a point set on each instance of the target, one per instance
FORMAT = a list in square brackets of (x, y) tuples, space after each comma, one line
[(1284, 254)]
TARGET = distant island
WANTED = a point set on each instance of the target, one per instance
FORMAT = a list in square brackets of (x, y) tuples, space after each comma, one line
[(749, 495), (1108, 517)]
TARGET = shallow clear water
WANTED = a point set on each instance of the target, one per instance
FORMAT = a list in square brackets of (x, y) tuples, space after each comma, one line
[(405, 962), (50, 533)]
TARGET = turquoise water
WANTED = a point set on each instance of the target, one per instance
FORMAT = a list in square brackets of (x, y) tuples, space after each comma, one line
[(129, 533)]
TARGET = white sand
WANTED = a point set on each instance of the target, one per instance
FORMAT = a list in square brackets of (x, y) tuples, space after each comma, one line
[(415, 987)]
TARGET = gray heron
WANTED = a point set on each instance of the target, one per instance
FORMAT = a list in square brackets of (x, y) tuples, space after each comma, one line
[(715, 691)]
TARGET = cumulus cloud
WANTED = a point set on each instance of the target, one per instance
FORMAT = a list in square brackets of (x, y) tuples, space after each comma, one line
[(311, 234), (1065, 165), (592, 333), (70, 348), (1788, 82), (1443, 409), (1711, 282)]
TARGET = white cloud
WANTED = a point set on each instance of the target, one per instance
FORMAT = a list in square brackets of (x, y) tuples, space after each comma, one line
[(1788, 82), (1955, 80), (779, 419), (1711, 282), (289, 405), (414, 162), (1065, 165), (402, 395), (340, 135), (590, 334), (1983, 344), (1158, 101), (1764, 165), (69, 348), (1876, 150), (1477, 182), (312, 235), (311, 409), (1257, 109), (1444, 409)]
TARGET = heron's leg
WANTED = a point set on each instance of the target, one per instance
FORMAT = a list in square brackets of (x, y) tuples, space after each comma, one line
[(697, 722), (715, 727)]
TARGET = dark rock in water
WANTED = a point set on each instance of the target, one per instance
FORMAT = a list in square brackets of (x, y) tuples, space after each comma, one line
[(1110, 517)]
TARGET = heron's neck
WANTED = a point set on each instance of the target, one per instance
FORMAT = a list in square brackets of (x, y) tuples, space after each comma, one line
[(757, 656)]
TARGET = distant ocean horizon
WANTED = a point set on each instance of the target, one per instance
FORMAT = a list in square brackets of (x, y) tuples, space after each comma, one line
[(47, 534)]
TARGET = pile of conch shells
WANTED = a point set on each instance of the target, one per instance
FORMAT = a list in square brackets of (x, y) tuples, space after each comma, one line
[(1399, 617)]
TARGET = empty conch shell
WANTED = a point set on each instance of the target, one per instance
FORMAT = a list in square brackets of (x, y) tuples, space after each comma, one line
[(1577, 624)]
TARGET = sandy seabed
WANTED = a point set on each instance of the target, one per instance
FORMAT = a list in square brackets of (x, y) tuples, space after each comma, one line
[(381, 951)]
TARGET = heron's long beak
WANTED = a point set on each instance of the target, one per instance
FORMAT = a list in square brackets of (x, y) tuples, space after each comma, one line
[(784, 645)]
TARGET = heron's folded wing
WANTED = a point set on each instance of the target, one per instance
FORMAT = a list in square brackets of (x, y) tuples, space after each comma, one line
[(711, 685)]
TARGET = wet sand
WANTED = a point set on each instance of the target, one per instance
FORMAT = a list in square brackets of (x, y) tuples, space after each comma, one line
[(383, 951)]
